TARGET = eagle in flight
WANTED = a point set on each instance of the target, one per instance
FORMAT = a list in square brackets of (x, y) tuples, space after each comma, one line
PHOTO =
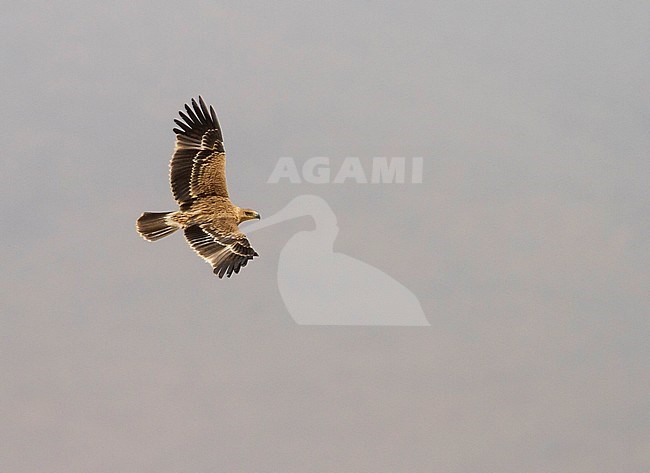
[(198, 181)]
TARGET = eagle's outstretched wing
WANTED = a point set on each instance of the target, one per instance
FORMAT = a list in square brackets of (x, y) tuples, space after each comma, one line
[(198, 166), (226, 251)]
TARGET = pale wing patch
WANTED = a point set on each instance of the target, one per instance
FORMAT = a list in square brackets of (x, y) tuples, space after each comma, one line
[(209, 175)]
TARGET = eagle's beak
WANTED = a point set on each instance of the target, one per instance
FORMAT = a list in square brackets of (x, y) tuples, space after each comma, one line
[(258, 217)]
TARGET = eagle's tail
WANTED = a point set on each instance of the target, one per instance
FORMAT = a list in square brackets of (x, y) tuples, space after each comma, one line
[(153, 226)]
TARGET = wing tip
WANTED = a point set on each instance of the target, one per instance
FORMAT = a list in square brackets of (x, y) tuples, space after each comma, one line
[(233, 264), (197, 118)]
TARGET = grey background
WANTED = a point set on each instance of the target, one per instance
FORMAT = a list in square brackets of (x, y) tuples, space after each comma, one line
[(527, 243)]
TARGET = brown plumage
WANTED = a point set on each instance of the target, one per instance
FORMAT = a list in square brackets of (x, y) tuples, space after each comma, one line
[(198, 181)]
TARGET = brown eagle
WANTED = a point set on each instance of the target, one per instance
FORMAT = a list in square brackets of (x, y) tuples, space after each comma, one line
[(198, 181)]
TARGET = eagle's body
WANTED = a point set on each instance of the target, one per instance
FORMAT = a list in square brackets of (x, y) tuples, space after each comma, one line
[(198, 181)]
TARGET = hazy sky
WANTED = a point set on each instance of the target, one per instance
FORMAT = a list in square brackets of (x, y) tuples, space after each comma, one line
[(527, 243)]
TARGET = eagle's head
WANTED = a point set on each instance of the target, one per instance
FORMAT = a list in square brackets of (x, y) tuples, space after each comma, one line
[(247, 214)]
